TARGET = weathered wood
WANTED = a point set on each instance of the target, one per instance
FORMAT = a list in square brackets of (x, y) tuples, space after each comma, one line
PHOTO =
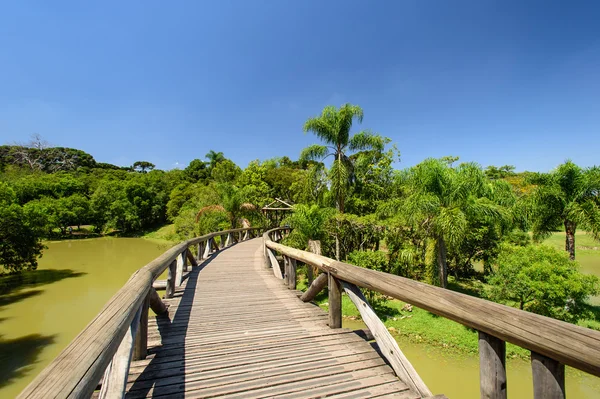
[(207, 248), (293, 276), (190, 258), (492, 367), (274, 265), (567, 343), (156, 304), (115, 376), (200, 251), (159, 284), (229, 240), (387, 344), (140, 345), (548, 377), (75, 372), (335, 302), (170, 289), (317, 286)]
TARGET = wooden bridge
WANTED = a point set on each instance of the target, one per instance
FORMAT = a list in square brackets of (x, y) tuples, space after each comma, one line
[(233, 325)]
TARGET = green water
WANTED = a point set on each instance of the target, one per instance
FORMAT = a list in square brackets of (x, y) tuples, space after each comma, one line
[(457, 376), (76, 278), (74, 281)]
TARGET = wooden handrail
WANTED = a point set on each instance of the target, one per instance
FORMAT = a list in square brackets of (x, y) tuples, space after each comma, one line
[(558, 341), (76, 371)]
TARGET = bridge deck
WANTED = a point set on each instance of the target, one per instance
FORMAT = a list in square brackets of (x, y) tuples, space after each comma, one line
[(236, 331)]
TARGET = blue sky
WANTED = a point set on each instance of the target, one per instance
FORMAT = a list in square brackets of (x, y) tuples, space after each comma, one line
[(503, 82)]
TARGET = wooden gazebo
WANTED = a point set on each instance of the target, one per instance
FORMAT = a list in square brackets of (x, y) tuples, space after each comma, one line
[(276, 211)]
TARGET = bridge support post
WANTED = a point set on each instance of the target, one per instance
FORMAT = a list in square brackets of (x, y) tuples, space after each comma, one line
[(291, 273), (229, 240), (335, 302), (200, 251), (140, 346), (492, 367), (181, 259), (170, 289), (246, 235), (548, 377), (207, 248)]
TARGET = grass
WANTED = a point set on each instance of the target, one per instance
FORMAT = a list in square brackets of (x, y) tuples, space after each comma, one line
[(420, 326), (165, 233)]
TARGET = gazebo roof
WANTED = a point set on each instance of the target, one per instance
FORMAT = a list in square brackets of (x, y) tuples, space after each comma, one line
[(278, 205)]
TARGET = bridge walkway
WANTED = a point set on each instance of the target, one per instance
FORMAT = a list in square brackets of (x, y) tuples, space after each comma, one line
[(236, 331)]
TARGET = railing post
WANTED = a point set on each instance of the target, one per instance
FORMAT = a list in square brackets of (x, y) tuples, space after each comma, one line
[(292, 269), (140, 346), (181, 258), (200, 251), (170, 289), (492, 367), (335, 302), (229, 240), (548, 377), (207, 248), (115, 375), (246, 235)]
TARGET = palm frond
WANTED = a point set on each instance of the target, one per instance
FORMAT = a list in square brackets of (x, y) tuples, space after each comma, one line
[(315, 152), (208, 209)]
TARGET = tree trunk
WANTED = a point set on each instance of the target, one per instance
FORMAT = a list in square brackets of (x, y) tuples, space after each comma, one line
[(442, 263), (570, 228), (337, 248)]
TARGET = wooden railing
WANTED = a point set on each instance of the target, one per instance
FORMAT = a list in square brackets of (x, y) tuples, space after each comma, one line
[(553, 344), (102, 352)]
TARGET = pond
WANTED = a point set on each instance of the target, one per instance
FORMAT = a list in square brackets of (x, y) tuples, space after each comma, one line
[(73, 282), (76, 278)]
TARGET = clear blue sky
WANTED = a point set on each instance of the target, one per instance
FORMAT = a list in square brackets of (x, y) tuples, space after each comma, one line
[(503, 82)]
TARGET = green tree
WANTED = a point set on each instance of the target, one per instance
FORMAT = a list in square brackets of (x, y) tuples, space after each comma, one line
[(225, 171), (333, 127), (214, 158), (196, 171), (143, 166), (20, 239), (567, 196), (541, 280), (232, 204), (442, 200)]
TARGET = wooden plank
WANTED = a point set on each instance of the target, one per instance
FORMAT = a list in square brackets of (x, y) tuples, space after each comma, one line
[(115, 376), (180, 267), (387, 344), (548, 377), (335, 302), (317, 286), (569, 344), (275, 265), (140, 345), (156, 304), (492, 367), (170, 288)]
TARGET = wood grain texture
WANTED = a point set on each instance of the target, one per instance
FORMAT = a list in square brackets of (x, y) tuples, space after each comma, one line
[(387, 344), (75, 372), (317, 286), (569, 344), (115, 376), (335, 302), (235, 331), (548, 377), (492, 367)]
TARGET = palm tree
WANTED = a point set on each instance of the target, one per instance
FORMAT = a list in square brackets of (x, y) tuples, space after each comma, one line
[(308, 223), (232, 204), (568, 196), (333, 127), (441, 201), (214, 158)]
